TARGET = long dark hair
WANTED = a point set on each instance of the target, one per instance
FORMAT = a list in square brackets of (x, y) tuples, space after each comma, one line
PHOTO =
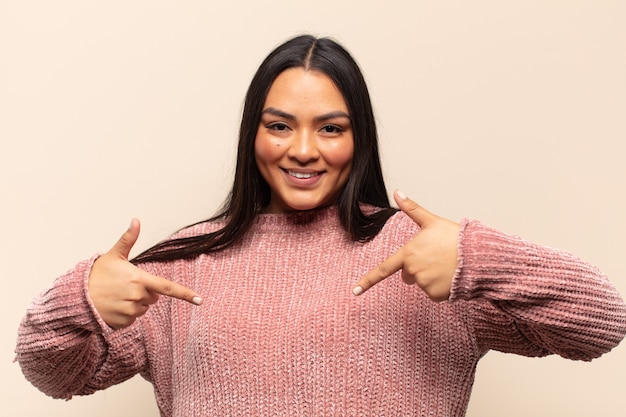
[(250, 192)]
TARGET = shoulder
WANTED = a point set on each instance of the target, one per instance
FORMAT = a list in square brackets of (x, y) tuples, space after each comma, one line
[(400, 223), (398, 229), (199, 229)]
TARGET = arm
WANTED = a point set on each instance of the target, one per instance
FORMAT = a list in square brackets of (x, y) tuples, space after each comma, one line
[(65, 349), (536, 300), (523, 297), (83, 335)]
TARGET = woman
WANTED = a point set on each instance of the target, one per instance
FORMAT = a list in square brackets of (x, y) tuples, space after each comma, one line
[(271, 325)]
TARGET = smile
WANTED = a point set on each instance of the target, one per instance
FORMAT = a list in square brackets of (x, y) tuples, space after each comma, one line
[(302, 175)]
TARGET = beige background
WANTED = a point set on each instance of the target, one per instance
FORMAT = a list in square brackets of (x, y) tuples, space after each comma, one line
[(510, 112)]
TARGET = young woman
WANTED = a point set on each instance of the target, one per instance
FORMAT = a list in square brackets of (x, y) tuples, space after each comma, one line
[(253, 312)]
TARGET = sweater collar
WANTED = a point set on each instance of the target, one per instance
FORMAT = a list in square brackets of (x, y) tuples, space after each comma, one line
[(320, 217)]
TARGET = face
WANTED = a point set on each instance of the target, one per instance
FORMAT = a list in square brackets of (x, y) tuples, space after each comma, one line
[(304, 143)]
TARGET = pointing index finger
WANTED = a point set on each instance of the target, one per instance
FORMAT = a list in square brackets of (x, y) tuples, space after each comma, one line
[(383, 270), (172, 289), (420, 215)]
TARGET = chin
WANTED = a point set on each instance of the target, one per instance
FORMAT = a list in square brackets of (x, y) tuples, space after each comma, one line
[(299, 203), (303, 205)]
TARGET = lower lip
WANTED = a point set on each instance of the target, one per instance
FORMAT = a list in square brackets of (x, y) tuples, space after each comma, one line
[(303, 182)]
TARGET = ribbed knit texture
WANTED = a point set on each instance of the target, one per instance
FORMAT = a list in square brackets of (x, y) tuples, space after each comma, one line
[(280, 333)]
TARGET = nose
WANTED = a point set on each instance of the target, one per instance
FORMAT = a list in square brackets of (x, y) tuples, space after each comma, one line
[(303, 147)]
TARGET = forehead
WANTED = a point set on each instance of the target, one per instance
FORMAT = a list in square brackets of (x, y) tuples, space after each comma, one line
[(297, 88)]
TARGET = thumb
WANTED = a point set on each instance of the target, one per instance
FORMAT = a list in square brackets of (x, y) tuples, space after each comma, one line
[(420, 215), (124, 245)]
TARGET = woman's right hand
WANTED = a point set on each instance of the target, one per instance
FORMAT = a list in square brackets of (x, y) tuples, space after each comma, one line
[(121, 292)]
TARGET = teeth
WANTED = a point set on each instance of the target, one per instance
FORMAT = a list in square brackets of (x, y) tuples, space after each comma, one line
[(302, 175)]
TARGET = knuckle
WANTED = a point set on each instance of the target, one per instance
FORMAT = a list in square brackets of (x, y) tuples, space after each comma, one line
[(128, 322), (125, 239), (173, 289), (412, 207), (167, 287), (382, 270), (152, 298), (408, 278), (367, 282), (141, 310), (436, 290), (134, 294), (411, 269), (437, 296)]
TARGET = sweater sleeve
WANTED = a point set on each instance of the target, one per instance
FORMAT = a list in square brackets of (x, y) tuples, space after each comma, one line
[(64, 348), (534, 300)]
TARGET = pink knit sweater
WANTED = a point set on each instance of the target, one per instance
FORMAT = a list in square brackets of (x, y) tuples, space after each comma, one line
[(280, 333)]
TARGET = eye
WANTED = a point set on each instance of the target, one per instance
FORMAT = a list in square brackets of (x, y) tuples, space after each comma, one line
[(331, 129), (279, 126)]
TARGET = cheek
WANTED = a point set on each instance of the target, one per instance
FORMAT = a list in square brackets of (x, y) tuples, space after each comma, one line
[(266, 151), (340, 155)]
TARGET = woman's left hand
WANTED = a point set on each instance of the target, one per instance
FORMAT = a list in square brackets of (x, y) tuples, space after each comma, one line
[(428, 260)]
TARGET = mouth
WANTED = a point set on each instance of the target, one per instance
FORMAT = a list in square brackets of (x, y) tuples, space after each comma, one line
[(303, 178), (303, 175)]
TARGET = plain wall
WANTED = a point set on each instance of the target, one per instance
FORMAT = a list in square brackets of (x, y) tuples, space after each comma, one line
[(509, 112)]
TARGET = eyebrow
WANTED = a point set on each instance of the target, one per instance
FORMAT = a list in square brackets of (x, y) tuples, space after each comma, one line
[(332, 115)]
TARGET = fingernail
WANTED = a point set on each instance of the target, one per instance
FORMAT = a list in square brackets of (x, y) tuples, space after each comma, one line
[(357, 290), (197, 300), (401, 195)]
